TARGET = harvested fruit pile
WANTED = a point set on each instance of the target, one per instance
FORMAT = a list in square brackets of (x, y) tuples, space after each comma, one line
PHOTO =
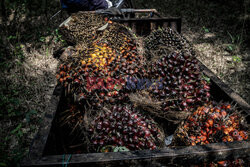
[(212, 124), (82, 28), (124, 126), (181, 86), (99, 74), (166, 41), (100, 79)]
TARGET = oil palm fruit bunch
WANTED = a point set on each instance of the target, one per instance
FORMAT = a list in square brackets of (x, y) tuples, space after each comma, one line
[(212, 124), (81, 27), (178, 82), (167, 39), (117, 36), (101, 74), (123, 126)]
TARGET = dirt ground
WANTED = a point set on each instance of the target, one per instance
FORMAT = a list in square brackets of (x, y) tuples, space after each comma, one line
[(219, 31)]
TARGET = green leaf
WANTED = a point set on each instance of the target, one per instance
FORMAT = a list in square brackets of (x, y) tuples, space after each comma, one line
[(16, 129), (230, 47), (121, 149), (2, 164), (206, 78), (205, 29), (42, 39), (236, 59)]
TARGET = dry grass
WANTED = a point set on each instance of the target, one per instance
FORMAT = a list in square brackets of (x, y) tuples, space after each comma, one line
[(27, 81)]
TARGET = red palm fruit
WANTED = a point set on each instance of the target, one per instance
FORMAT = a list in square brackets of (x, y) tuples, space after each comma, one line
[(190, 100), (125, 129), (102, 94), (233, 117), (217, 126), (203, 132), (76, 81), (150, 144), (109, 79), (120, 142), (109, 94), (115, 93), (206, 87), (153, 147), (223, 113), (210, 132), (110, 86), (101, 142), (147, 133), (206, 124), (95, 142), (235, 133)]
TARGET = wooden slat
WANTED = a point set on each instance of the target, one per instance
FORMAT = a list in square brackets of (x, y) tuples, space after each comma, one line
[(191, 155)]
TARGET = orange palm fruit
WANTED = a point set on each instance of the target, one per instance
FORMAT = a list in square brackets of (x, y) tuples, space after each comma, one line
[(243, 134), (202, 138), (61, 80), (210, 122), (193, 138), (222, 163)]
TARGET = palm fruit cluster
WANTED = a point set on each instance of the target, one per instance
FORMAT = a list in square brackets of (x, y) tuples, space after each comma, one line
[(125, 126), (82, 27), (101, 74), (115, 35), (178, 82), (166, 40), (211, 124)]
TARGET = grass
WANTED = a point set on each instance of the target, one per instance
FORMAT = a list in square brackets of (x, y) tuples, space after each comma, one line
[(27, 70)]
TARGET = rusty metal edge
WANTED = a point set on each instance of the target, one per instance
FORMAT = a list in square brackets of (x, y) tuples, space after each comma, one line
[(177, 20)]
